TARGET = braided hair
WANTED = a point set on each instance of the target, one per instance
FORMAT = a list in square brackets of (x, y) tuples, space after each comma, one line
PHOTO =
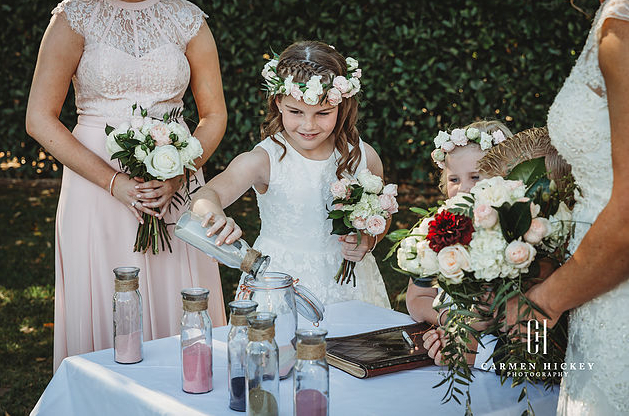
[(302, 60)]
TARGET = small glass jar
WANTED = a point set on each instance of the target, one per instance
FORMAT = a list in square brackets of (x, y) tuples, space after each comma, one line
[(127, 316), (234, 255), (196, 342), (262, 366), (237, 342), (311, 374)]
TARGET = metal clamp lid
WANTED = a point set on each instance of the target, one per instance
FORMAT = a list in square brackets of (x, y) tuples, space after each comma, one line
[(308, 305)]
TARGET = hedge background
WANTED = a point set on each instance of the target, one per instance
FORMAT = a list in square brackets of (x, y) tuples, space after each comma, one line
[(427, 65)]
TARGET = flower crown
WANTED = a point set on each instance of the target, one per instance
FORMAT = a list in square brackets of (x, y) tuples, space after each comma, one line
[(445, 142), (310, 92)]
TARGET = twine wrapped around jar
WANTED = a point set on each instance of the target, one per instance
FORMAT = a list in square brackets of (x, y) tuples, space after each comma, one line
[(198, 305), (310, 352), (249, 259), (238, 320), (125, 285), (259, 335)]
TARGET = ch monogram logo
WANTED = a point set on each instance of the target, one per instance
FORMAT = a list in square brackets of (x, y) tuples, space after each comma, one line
[(536, 337)]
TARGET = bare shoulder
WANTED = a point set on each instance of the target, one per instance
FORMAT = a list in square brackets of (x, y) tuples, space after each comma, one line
[(373, 161), (613, 46)]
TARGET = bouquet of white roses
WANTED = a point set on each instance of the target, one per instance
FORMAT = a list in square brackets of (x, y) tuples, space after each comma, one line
[(360, 205), (154, 150), (488, 241)]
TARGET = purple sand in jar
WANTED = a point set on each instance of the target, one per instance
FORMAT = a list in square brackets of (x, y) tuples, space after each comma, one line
[(238, 399), (311, 402)]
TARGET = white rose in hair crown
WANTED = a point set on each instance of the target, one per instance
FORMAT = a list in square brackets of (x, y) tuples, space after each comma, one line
[(488, 241), (154, 149), (360, 205), (446, 142)]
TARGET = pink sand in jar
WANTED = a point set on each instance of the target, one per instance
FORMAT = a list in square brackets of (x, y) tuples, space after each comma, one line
[(127, 348), (197, 368), (310, 402)]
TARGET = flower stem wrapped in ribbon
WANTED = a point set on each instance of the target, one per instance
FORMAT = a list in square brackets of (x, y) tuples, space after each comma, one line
[(361, 205), (154, 149)]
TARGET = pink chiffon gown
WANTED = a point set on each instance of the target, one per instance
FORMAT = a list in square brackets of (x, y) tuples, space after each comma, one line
[(133, 53)]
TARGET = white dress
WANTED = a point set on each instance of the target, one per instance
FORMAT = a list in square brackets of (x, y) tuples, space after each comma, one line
[(295, 232), (579, 128)]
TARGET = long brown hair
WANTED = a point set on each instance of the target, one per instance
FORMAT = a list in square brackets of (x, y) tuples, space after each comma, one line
[(302, 60)]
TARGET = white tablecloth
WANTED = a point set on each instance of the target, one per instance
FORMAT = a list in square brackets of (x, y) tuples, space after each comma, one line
[(93, 384)]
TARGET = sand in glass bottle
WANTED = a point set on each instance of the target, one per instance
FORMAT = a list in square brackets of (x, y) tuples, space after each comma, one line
[(127, 316), (262, 366)]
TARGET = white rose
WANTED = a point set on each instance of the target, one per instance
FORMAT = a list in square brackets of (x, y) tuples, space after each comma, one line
[(458, 137), (390, 189), (423, 227), (191, 152), (355, 87), (486, 141), (520, 254), (371, 183), (180, 131), (498, 136), (453, 260), (352, 64), (441, 138), (288, 84), (472, 133), (110, 142), (140, 154), (427, 258), (487, 253), (311, 97), (164, 162), (496, 191), (314, 84)]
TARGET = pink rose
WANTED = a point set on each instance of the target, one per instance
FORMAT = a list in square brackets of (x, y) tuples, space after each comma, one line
[(388, 203), (338, 206), (540, 228), (357, 73), (390, 189), (535, 210), (485, 216), (296, 92), (458, 137), (519, 254), (334, 96), (448, 146), (342, 84), (338, 189), (359, 223), (498, 137), (160, 134), (375, 225)]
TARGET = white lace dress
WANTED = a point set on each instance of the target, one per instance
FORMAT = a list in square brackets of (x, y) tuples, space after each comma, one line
[(295, 232), (579, 128)]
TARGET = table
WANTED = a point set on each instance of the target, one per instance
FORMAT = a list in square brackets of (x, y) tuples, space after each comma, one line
[(93, 384)]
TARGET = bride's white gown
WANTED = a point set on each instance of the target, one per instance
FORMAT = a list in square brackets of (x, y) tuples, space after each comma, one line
[(579, 128)]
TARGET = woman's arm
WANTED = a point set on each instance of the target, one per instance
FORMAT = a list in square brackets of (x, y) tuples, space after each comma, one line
[(206, 86), (601, 261), (59, 54), (419, 303)]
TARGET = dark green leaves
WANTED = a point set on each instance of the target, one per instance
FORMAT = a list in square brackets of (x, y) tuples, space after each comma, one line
[(529, 171), (514, 219)]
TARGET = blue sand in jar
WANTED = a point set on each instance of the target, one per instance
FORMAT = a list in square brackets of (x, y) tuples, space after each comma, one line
[(238, 396)]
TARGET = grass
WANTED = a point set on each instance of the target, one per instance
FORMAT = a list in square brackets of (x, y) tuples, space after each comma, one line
[(27, 284)]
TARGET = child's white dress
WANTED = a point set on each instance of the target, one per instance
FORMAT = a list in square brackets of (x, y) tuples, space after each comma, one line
[(295, 231)]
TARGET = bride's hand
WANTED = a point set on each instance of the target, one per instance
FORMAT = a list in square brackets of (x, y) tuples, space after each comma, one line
[(123, 188), (230, 231), (353, 252), (158, 194)]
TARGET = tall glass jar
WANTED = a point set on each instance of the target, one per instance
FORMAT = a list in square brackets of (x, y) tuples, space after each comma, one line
[(196, 343), (276, 293), (234, 255), (127, 316), (262, 366), (237, 342), (311, 374)]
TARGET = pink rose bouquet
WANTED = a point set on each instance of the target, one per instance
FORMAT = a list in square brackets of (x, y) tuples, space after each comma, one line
[(154, 149), (361, 205), (489, 241)]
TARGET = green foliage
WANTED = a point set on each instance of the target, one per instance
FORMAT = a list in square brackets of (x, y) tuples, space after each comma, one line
[(426, 66)]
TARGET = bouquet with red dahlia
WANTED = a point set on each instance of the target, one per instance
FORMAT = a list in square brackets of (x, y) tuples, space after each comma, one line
[(483, 248)]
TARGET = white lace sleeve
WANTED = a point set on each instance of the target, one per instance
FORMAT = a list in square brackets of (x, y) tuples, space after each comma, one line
[(76, 12), (613, 9), (188, 17)]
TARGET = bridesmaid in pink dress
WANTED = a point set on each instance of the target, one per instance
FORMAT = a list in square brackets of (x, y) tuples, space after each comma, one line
[(118, 53)]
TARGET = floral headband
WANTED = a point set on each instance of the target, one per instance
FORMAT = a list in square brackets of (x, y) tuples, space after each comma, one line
[(445, 142), (341, 86)]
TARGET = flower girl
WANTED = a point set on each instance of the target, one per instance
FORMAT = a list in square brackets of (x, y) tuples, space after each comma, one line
[(309, 140)]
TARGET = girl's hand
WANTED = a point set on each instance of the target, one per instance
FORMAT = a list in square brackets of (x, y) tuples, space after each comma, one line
[(434, 341), (230, 231), (353, 252), (158, 194), (124, 190)]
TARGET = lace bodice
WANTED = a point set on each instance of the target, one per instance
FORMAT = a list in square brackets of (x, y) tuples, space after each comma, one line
[(295, 232), (133, 53), (579, 127)]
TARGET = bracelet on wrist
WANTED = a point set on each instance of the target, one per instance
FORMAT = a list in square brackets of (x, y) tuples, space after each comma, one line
[(112, 182), (439, 316)]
